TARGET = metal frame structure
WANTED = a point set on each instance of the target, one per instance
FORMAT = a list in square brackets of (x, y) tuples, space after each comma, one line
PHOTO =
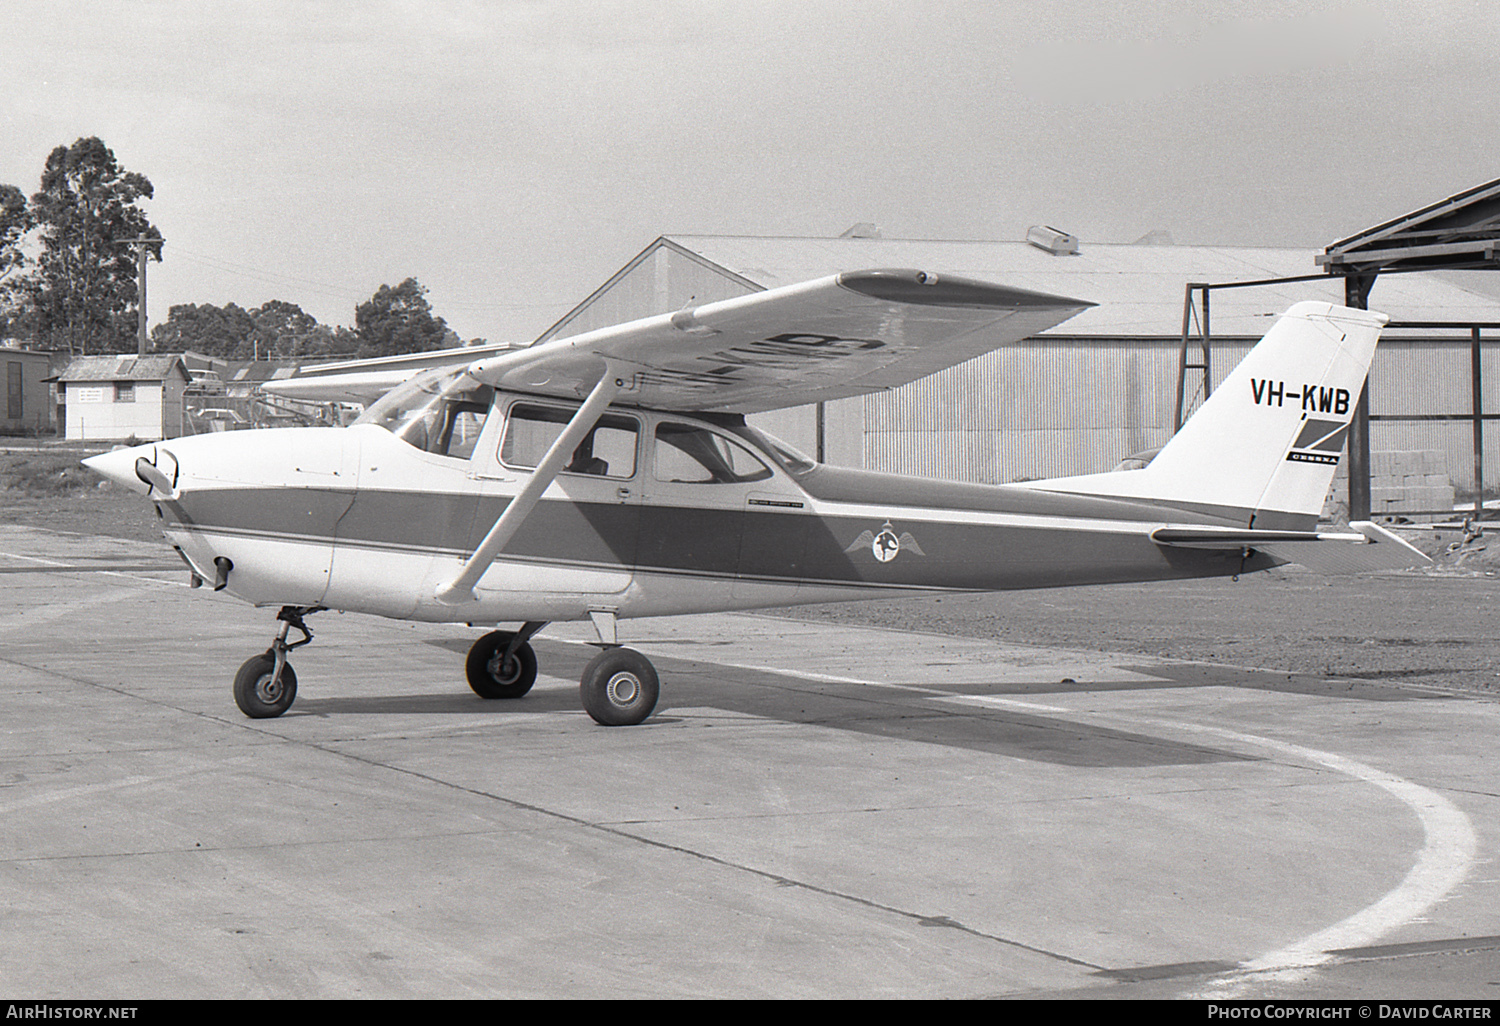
[(1461, 232), (1357, 290)]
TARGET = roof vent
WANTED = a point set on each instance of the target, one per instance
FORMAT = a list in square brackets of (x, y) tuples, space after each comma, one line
[(1156, 237), (1053, 241), (863, 230)]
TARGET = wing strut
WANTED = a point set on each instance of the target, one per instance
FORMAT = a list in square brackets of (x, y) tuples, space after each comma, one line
[(461, 588)]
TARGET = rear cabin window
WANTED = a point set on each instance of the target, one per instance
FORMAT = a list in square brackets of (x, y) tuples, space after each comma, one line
[(687, 454), (606, 451)]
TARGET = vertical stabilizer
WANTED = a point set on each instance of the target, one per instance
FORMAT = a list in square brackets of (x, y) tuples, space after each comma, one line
[(1262, 449)]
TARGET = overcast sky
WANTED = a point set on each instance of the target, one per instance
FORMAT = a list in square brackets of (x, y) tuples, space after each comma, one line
[(512, 154)]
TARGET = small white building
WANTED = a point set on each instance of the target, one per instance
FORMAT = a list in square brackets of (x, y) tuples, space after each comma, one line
[(119, 397)]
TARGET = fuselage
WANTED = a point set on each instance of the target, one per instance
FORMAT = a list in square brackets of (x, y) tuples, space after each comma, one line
[(658, 513)]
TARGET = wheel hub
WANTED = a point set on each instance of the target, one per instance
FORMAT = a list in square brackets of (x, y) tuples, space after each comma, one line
[(268, 689), (623, 688), (505, 671)]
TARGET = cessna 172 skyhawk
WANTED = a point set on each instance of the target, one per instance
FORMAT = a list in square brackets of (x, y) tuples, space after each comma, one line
[(613, 475)]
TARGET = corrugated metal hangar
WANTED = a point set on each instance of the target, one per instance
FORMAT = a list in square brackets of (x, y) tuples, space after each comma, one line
[(1097, 388)]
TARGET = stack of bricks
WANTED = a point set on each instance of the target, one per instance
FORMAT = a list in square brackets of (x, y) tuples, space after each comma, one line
[(1401, 482)]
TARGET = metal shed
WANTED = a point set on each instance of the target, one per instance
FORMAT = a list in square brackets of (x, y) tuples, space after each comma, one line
[(116, 398), (1075, 399), (28, 402)]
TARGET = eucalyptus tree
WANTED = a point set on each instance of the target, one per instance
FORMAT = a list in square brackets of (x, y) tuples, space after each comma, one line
[(15, 222), (207, 329), (400, 320), (83, 289)]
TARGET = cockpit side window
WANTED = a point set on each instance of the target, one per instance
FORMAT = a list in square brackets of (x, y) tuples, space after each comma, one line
[(459, 429), (606, 451), (688, 454)]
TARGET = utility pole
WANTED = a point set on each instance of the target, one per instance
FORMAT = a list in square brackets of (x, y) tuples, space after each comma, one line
[(140, 245)]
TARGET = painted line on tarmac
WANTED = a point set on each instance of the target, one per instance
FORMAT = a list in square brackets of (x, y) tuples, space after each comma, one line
[(830, 678), (88, 790), (989, 700), (1446, 858), (1447, 855), (780, 671), (54, 566)]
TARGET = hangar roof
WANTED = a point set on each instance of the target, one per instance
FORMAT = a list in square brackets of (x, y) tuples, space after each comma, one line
[(1138, 288), (1460, 231)]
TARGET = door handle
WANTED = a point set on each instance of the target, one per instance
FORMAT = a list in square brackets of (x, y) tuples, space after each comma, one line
[(623, 492)]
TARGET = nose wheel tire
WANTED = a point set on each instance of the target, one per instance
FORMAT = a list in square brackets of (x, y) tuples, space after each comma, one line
[(619, 687), (492, 675), (257, 695)]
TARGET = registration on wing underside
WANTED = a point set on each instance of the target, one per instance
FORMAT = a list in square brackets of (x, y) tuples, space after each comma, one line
[(789, 353)]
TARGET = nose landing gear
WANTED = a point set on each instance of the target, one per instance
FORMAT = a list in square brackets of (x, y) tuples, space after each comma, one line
[(266, 685)]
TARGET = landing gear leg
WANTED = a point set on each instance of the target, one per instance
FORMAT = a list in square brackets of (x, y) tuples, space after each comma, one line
[(266, 685)]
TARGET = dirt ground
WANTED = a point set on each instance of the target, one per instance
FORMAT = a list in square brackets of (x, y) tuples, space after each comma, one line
[(1438, 627)]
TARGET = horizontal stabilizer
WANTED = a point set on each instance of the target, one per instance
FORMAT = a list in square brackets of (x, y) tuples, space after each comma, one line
[(1370, 548)]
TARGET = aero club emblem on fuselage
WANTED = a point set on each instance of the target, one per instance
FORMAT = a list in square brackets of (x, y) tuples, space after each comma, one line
[(886, 545)]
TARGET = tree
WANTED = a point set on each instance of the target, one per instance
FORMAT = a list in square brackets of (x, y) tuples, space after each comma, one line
[(15, 222), (83, 291), (273, 331), (399, 320), (282, 331), (325, 341), (207, 329)]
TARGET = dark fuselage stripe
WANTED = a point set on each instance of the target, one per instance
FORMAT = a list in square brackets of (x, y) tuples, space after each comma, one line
[(761, 543)]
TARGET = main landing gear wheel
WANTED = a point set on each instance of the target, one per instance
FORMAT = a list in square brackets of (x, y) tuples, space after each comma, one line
[(494, 675), (259, 693), (619, 687)]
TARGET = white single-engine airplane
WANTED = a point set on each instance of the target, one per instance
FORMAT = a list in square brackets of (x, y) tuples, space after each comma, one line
[(612, 475)]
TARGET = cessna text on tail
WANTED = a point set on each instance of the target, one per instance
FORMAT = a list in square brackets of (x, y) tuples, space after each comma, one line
[(613, 475)]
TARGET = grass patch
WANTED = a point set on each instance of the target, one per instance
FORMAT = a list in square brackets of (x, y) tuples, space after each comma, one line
[(44, 473)]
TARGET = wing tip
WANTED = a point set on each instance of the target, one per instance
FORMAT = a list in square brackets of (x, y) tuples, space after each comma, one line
[(923, 288)]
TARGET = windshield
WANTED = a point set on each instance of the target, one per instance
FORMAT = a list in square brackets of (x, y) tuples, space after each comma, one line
[(439, 411), (791, 460)]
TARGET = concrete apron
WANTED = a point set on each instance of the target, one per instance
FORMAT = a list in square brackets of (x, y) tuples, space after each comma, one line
[(813, 810)]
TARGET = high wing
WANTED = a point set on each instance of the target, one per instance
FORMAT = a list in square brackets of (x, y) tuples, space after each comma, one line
[(844, 335)]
